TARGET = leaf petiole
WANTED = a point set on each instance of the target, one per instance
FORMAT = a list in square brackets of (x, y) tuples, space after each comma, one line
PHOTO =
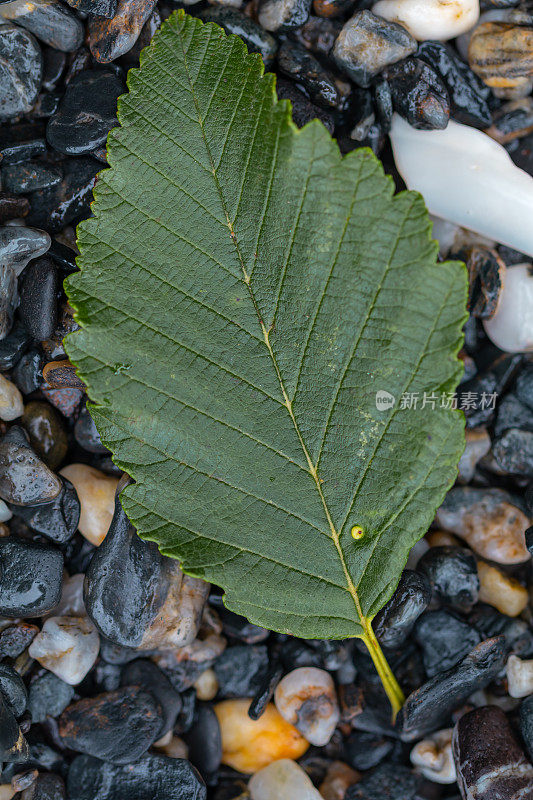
[(390, 684)]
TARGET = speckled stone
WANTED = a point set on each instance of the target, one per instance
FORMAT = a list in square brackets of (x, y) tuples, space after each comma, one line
[(111, 38), (21, 70), (53, 23)]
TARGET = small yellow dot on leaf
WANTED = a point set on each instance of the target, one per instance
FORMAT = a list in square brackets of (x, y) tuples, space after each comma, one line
[(357, 532)]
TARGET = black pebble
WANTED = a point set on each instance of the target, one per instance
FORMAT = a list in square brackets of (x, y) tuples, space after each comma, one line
[(365, 750), (444, 639), (67, 201), (13, 690), (387, 782), (297, 63), (526, 724), (395, 621), (31, 577), (48, 696), (266, 689), (39, 298), (58, 519), (452, 573), (86, 434), (27, 374), (240, 670), (303, 110), (13, 346), (45, 787), (13, 745), (418, 94), (204, 741), (16, 638), (146, 675), (256, 39)]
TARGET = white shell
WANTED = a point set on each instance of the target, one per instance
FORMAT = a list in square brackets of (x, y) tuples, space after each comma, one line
[(431, 19), (511, 327), (467, 178)]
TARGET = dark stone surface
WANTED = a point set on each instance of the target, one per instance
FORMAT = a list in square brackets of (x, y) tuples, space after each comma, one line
[(240, 670), (58, 519), (12, 207), (47, 432), (39, 298), (24, 478), (526, 724), (19, 244), (147, 676), (418, 94), (13, 745), (68, 201), (513, 452), (86, 113), (365, 750), (31, 577), (115, 726), (303, 110), (265, 690), (100, 8), (429, 707), (13, 690), (16, 638), (86, 434), (204, 741), (48, 696), (283, 15), (24, 178), (53, 23), (318, 35), (490, 763), (297, 63), (452, 573), (444, 639), (387, 782), (45, 787), (513, 413), (13, 346), (152, 777), (111, 38), (257, 40), (395, 621), (21, 70)]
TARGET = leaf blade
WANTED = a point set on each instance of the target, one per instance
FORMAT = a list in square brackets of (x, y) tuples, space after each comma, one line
[(271, 266)]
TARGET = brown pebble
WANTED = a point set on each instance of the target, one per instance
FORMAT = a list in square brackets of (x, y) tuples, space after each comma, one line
[(331, 8), (62, 375), (13, 207), (502, 55), (111, 38), (512, 121), (485, 280), (339, 778)]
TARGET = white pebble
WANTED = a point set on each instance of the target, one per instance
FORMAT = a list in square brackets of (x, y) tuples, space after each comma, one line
[(511, 327), (467, 178), (11, 402), (307, 699), (67, 646), (71, 603), (434, 757), (206, 685), (5, 513), (519, 676), (431, 19), (282, 780)]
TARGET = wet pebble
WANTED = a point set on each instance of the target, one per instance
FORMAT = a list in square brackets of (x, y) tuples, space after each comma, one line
[(12, 206), (38, 298), (24, 178), (444, 639), (45, 787), (318, 35), (432, 19), (303, 110), (11, 402), (367, 44), (48, 696), (204, 742), (452, 572), (30, 578), (96, 492), (13, 745), (68, 201), (47, 433), (365, 750), (24, 478), (501, 590), (57, 519), (240, 670), (111, 38), (16, 638), (116, 726), (297, 63), (430, 706), (61, 374), (86, 433), (19, 245), (147, 676), (249, 745), (502, 55), (512, 120), (282, 780), (511, 327), (257, 39), (152, 776), (67, 646), (306, 698), (418, 94), (489, 773), (13, 690), (20, 70), (390, 781), (283, 15), (86, 113), (396, 620), (513, 452), (49, 20)]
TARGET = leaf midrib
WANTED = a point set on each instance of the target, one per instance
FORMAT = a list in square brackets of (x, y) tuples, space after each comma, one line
[(350, 588)]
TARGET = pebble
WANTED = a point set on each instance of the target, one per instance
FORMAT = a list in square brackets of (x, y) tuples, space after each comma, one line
[(306, 698), (435, 163), (430, 706), (318, 35), (67, 646), (147, 676), (96, 492), (111, 38), (526, 724), (519, 676), (365, 750), (206, 685), (48, 697), (513, 452), (418, 94), (257, 40), (13, 346), (387, 782), (339, 777), (67, 201), (240, 670), (13, 745), (297, 63), (116, 726), (452, 572), (430, 19), (444, 639), (433, 756), (138, 598), (12, 207), (16, 638), (477, 445), (249, 745), (511, 327), (512, 121), (393, 624), (30, 578), (38, 298), (25, 178), (24, 478), (501, 590), (61, 374), (502, 55), (266, 690), (204, 742), (303, 110), (47, 433), (57, 519), (100, 8), (13, 690), (367, 44), (86, 434), (19, 245), (152, 777), (487, 520), (45, 787), (283, 15), (282, 780), (49, 20), (11, 402), (21, 69), (86, 113), (489, 773)]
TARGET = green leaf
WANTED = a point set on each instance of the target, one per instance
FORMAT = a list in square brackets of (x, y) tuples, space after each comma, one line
[(244, 293)]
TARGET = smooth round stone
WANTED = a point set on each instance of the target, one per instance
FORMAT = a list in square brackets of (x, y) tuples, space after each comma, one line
[(11, 402), (9, 299), (67, 201), (67, 646), (13, 690), (501, 590), (30, 578), (393, 624), (206, 685), (21, 70), (58, 519), (13, 745), (27, 373), (511, 327), (283, 15), (116, 726), (86, 113), (49, 20), (430, 19), (111, 38), (204, 742), (249, 745), (39, 298), (367, 44), (467, 178), (501, 53), (48, 697), (240, 670), (47, 433), (282, 780), (96, 492), (306, 698), (24, 478), (19, 245), (452, 572), (152, 777), (86, 434), (147, 676), (25, 178)]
